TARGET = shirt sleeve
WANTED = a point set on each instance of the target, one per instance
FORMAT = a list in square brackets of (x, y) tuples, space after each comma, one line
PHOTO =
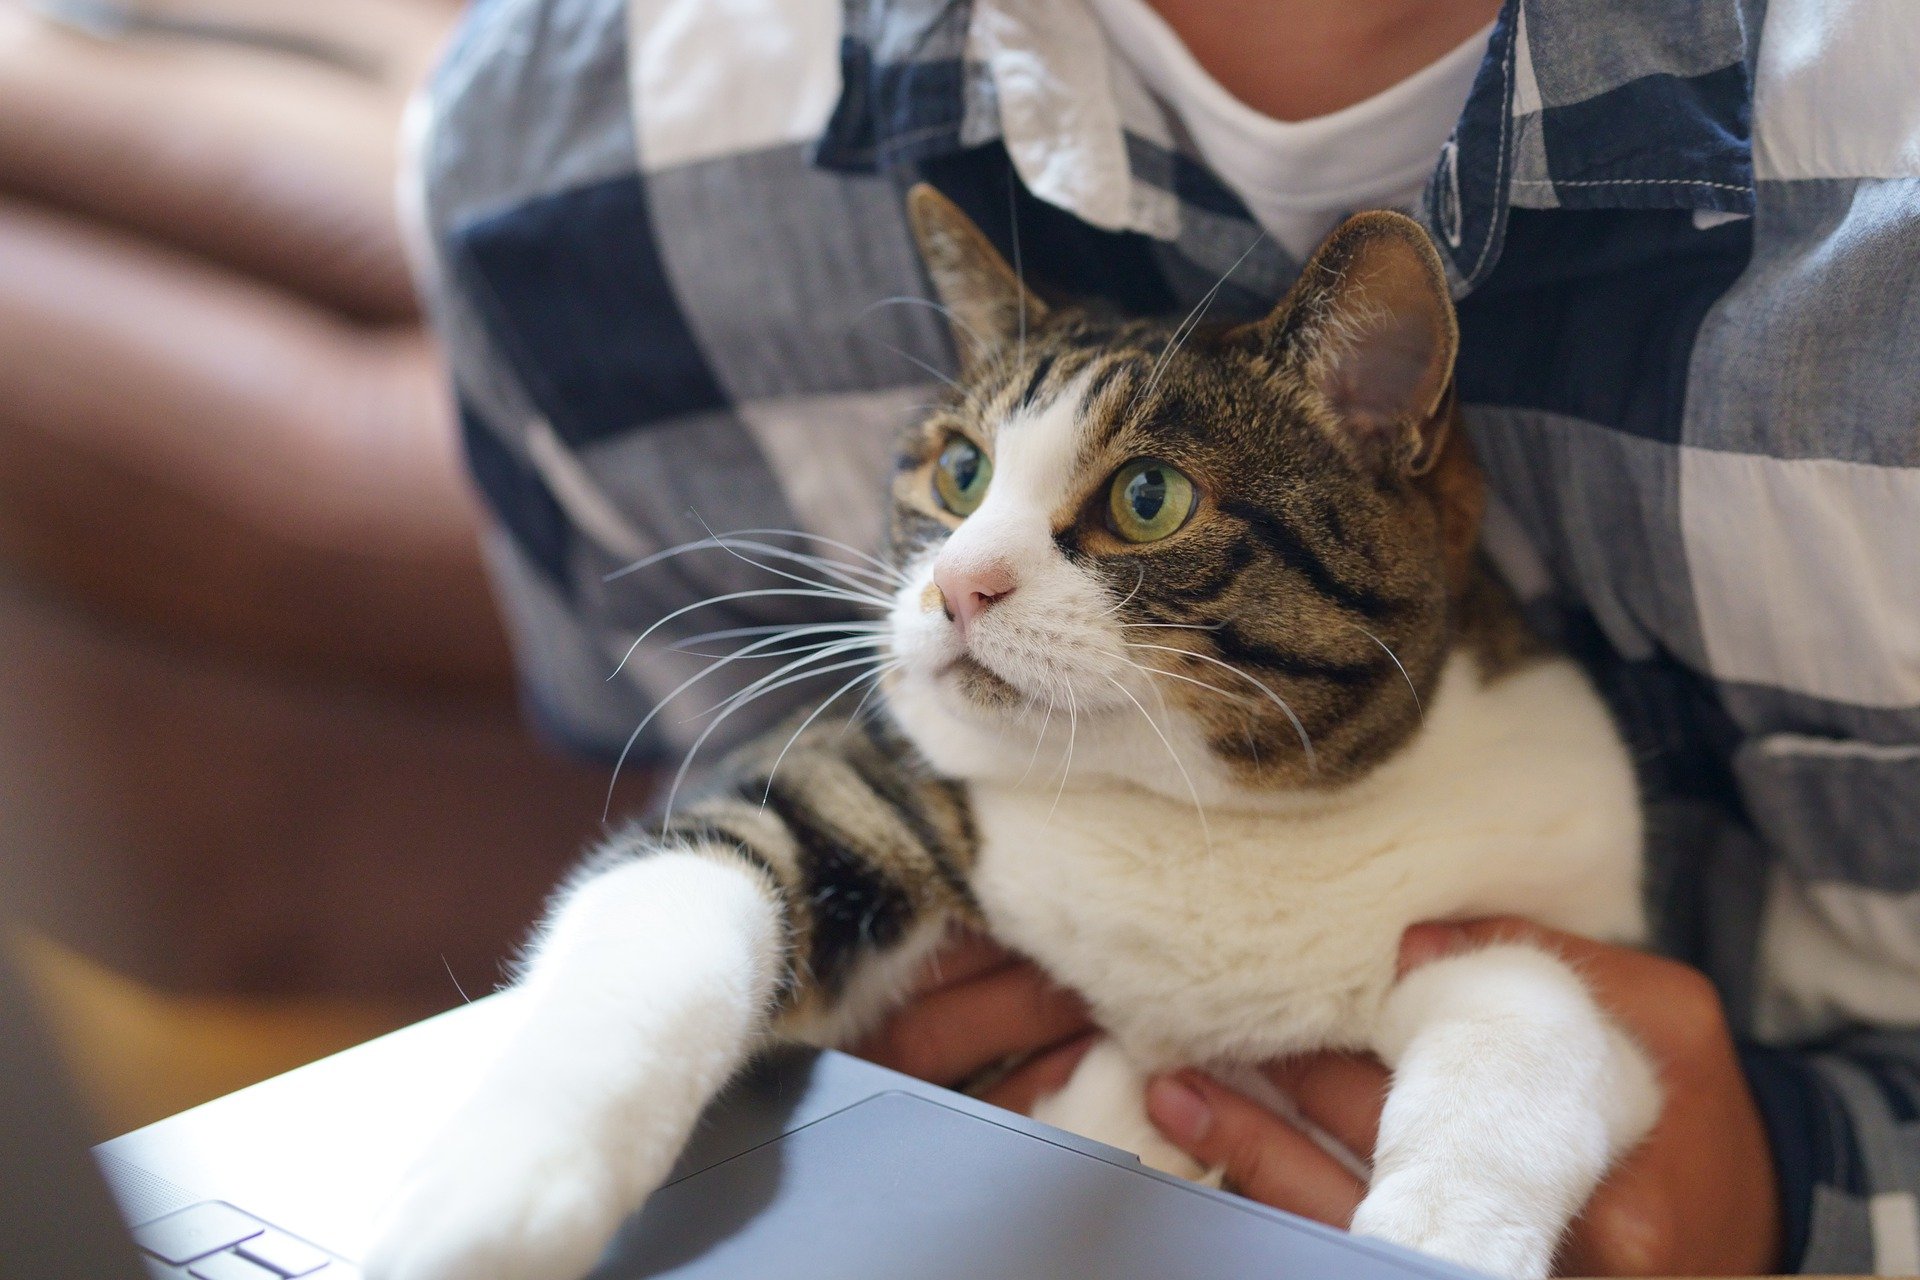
[(516, 112), (1841, 1120), (1838, 969), (627, 390), (1836, 987)]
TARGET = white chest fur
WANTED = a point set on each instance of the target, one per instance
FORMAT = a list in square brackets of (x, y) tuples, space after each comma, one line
[(1280, 933)]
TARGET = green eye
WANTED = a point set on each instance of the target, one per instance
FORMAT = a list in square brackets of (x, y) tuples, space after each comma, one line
[(960, 477), (1150, 501)]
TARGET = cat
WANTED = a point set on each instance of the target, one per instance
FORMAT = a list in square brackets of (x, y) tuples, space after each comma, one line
[(1198, 691)]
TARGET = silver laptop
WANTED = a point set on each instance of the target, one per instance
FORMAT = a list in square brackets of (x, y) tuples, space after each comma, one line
[(812, 1166)]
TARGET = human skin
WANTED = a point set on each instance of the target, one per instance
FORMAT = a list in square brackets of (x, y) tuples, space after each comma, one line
[(1698, 1197), (1296, 59)]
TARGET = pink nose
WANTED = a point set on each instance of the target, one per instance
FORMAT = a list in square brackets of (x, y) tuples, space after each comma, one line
[(967, 591)]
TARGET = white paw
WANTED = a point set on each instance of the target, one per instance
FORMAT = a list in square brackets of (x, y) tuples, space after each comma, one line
[(493, 1202), (1418, 1212)]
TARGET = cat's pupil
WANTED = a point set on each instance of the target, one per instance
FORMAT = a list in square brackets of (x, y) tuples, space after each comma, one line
[(1147, 493), (965, 468)]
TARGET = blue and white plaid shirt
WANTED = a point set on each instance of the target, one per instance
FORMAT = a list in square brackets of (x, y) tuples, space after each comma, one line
[(1685, 241)]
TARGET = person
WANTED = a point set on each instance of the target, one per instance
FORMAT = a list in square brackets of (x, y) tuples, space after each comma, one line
[(665, 243)]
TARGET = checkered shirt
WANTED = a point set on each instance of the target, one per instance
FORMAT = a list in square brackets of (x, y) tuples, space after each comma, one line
[(660, 238)]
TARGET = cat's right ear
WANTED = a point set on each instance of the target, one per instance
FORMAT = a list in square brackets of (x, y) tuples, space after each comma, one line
[(989, 306)]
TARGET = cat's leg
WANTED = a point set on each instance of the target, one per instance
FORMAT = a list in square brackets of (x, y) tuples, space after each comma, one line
[(1512, 1093), (652, 983), (660, 970), (1105, 1099)]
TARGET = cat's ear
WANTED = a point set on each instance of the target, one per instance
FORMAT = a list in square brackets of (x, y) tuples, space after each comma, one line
[(989, 306), (1371, 327)]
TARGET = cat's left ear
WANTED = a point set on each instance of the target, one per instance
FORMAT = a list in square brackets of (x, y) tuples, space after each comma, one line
[(1371, 327), (989, 305)]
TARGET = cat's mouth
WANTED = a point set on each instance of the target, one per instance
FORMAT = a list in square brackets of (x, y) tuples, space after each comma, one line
[(981, 684)]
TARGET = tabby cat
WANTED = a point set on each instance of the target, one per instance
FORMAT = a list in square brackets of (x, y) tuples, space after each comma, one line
[(1198, 692)]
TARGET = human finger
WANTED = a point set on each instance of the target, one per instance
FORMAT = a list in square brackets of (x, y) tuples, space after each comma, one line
[(1265, 1158), (947, 1035), (1045, 1073), (966, 955), (1342, 1093)]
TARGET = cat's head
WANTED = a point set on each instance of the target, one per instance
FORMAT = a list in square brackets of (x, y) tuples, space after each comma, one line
[(1207, 560)]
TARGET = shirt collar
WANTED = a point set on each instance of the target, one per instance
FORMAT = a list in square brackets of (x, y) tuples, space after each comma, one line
[(1575, 106)]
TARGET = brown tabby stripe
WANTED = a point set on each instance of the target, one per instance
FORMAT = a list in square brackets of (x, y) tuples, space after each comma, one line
[(1281, 539), (1242, 650), (1114, 369), (1206, 589), (854, 901), (1041, 368), (856, 842)]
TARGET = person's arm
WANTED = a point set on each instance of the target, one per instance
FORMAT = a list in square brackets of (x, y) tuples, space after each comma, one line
[(985, 1020), (1824, 1110), (1697, 1197), (1765, 1159)]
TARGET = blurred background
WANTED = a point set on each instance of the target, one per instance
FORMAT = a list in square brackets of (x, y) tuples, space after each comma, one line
[(264, 788)]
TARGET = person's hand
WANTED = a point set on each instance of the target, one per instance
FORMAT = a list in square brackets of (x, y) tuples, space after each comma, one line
[(977, 1006), (1698, 1197)]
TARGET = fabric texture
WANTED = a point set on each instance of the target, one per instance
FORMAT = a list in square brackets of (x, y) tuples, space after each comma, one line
[(1300, 178), (669, 256)]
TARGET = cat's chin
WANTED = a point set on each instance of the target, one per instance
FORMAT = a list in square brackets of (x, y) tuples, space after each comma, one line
[(976, 685), (963, 693), (979, 729)]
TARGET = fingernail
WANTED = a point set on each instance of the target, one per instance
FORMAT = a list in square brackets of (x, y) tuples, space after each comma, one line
[(1422, 943), (1180, 1110)]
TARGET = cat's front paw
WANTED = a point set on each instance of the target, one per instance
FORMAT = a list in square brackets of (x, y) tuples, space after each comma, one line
[(1440, 1218), (487, 1204)]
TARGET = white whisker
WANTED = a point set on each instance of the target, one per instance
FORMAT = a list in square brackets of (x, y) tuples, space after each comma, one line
[(854, 577), (853, 716), (1039, 741), (832, 698), (1126, 599), (773, 679), (1306, 744), (839, 574), (719, 542), (1228, 694), (905, 300), (1206, 834), (885, 568), (626, 749), (1073, 728), (770, 653), (757, 594), (780, 628), (913, 360), (1187, 326), (686, 763), (1422, 711)]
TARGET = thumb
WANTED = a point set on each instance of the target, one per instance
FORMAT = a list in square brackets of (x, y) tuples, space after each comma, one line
[(1264, 1157)]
